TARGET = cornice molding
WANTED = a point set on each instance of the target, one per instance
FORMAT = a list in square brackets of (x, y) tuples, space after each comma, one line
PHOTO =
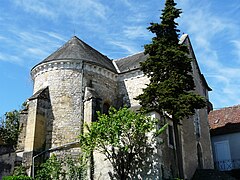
[(74, 65)]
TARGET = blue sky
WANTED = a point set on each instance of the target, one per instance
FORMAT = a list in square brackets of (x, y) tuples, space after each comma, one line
[(30, 30)]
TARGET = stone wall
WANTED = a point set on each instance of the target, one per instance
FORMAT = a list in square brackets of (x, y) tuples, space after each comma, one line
[(22, 127), (65, 91), (195, 130), (39, 128), (7, 159), (130, 86), (104, 87)]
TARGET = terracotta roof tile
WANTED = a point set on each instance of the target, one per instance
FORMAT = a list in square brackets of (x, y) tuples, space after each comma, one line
[(222, 117)]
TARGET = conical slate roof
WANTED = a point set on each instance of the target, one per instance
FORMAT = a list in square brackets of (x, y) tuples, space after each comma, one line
[(76, 49)]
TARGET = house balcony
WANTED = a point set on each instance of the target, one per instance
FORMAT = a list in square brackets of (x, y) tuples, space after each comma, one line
[(227, 165)]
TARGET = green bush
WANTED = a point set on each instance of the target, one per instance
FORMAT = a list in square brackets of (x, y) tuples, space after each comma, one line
[(19, 171), (17, 178), (62, 168)]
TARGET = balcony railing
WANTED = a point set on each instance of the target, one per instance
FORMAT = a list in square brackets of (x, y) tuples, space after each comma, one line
[(227, 165)]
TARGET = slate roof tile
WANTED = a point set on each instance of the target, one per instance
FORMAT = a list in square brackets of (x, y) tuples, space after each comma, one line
[(76, 49), (130, 62)]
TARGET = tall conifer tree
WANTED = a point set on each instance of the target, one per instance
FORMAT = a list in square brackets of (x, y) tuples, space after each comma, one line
[(170, 72)]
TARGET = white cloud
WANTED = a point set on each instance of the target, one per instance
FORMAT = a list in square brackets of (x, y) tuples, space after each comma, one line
[(207, 31), (38, 7), (137, 17), (135, 32), (36, 52), (72, 9), (29, 47), (2, 38), (79, 9), (126, 2), (125, 46), (202, 23), (54, 35), (11, 59), (236, 49), (31, 37)]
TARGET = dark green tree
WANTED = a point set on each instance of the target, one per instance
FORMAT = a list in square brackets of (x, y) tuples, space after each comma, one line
[(9, 128), (168, 66)]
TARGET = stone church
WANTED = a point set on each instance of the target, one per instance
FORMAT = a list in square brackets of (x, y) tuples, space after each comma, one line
[(74, 82)]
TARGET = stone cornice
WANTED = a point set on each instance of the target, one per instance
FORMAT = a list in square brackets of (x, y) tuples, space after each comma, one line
[(130, 75), (74, 65), (100, 70), (55, 65)]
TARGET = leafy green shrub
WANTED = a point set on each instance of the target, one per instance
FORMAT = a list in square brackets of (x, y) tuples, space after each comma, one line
[(19, 171), (51, 169), (62, 168), (17, 178)]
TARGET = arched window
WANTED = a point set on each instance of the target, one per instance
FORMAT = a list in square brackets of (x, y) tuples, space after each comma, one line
[(199, 156)]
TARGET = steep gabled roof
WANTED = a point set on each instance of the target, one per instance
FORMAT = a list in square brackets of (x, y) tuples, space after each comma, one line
[(184, 39), (132, 62), (225, 119), (76, 49)]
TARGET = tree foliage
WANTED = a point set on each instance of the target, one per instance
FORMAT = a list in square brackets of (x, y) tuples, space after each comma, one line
[(9, 128), (169, 68), (122, 137), (19, 171), (21, 177), (62, 168)]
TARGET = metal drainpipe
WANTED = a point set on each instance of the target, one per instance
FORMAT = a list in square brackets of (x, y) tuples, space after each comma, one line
[(82, 100), (48, 150)]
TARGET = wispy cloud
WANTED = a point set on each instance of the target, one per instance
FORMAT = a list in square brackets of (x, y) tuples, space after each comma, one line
[(54, 35), (26, 48), (10, 58), (129, 49), (37, 52), (208, 30), (202, 23), (38, 7), (1, 37), (126, 2), (134, 32), (72, 9), (236, 48)]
